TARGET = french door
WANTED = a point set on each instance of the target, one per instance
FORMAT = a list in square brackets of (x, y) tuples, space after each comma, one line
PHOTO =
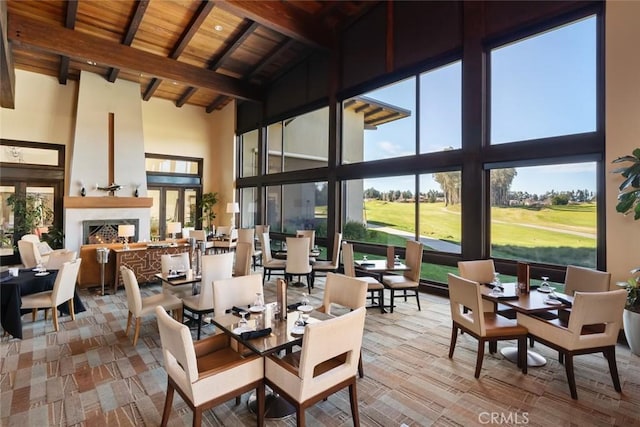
[(172, 204)]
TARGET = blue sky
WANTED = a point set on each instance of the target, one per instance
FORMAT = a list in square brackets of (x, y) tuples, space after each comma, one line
[(542, 86)]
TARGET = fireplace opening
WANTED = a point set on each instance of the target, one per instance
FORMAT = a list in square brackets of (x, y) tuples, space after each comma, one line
[(105, 231)]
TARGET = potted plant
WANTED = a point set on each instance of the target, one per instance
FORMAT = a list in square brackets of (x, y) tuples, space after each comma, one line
[(207, 203), (629, 201), (31, 210)]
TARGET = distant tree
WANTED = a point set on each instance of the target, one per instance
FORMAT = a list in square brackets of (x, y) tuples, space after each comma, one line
[(407, 195), (321, 194), (501, 180), (450, 185), (560, 199), (431, 196), (372, 193)]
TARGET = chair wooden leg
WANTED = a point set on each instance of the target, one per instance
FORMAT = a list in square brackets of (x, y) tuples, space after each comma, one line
[(34, 312), (55, 318), (72, 311), (260, 396), (454, 338), (199, 324), (137, 331), (405, 295), (126, 332), (168, 402), (493, 347), (568, 366), (300, 421), (610, 354), (392, 296), (522, 354), (360, 368), (531, 341), (238, 399), (480, 358), (353, 399), (381, 300), (197, 416), (46, 314), (561, 357)]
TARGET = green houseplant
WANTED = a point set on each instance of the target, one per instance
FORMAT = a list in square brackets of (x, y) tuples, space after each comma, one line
[(207, 203), (30, 212)]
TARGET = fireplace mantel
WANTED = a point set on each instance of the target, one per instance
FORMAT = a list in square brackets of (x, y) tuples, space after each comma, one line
[(107, 202)]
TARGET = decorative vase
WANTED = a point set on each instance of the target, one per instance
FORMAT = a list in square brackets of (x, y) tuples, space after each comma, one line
[(631, 322)]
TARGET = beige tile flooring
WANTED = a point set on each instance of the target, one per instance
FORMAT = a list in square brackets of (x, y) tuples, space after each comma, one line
[(90, 374)]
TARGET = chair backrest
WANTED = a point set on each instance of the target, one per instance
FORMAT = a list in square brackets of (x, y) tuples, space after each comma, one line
[(310, 234), (199, 235), (347, 260), (480, 270), (214, 267), (242, 266), (57, 258), (327, 340), (31, 238), (413, 260), (246, 235), (132, 289), (298, 255), (346, 291), (237, 291), (170, 262), (65, 284), (177, 348), (585, 280), (29, 255), (337, 244), (466, 293), (260, 229), (596, 308), (265, 243), (224, 230)]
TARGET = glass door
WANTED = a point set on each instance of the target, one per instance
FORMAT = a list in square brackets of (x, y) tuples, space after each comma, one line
[(172, 204)]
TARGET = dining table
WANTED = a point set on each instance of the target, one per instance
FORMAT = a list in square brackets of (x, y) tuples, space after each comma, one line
[(179, 278), (27, 282), (378, 268), (535, 302), (281, 337)]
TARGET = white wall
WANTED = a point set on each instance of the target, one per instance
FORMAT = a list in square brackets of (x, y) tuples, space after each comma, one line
[(622, 129), (222, 173)]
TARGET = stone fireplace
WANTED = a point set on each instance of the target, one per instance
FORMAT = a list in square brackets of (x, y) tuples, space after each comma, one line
[(106, 230)]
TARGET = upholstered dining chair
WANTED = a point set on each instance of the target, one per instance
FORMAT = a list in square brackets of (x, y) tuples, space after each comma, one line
[(247, 235), (347, 292), (327, 363), (29, 255), (593, 327), (228, 241), (63, 290), (242, 264), (332, 265), (214, 267), (481, 271), (269, 264), (140, 307), (484, 326), (57, 258), (310, 234), (199, 235), (410, 280), (236, 291), (298, 260), (206, 373), (176, 262), (373, 285)]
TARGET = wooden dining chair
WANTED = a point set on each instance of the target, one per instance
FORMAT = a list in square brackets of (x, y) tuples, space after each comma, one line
[(63, 291), (57, 258), (593, 327), (484, 326), (409, 280), (176, 262), (481, 271), (374, 287), (298, 260), (269, 264), (29, 255)]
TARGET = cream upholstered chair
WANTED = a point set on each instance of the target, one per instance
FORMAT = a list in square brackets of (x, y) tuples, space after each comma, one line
[(481, 325), (206, 373), (327, 363), (481, 271), (373, 285), (63, 290), (29, 255), (140, 307), (57, 258), (242, 265), (593, 327), (43, 248), (247, 235), (228, 241), (298, 260), (410, 280), (585, 280), (237, 291), (199, 235), (310, 234), (321, 266), (269, 264), (260, 230), (214, 267), (176, 262), (345, 291)]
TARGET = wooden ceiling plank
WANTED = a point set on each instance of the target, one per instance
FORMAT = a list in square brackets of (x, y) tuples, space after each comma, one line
[(134, 24), (185, 96), (216, 102), (69, 22), (7, 69), (270, 57), (196, 22), (153, 85), (62, 41), (283, 19)]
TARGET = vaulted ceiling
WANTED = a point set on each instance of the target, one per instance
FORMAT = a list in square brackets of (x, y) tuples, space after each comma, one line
[(203, 53)]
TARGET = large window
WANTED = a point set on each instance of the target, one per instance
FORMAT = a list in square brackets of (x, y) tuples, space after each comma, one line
[(545, 85), (301, 206), (249, 153)]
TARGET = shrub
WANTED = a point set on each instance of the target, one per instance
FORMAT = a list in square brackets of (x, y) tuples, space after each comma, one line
[(354, 230)]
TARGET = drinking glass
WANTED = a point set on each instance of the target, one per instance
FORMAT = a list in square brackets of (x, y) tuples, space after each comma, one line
[(259, 302), (396, 259), (304, 300), (243, 322), (497, 285), (544, 286), (300, 320), (364, 258)]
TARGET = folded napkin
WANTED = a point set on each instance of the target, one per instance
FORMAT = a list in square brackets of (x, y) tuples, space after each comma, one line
[(238, 310), (294, 306), (255, 334), (562, 300), (177, 276)]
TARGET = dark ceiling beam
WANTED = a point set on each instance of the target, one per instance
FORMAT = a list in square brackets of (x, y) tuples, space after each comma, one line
[(190, 30), (270, 57), (39, 35), (7, 70), (372, 112), (362, 107), (282, 18), (216, 103), (69, 22), (247, 29), (134, 24)]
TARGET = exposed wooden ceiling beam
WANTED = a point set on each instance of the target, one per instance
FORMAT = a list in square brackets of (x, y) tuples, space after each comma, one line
[(196, 21), (134, 24), (270, 57), (216, 103), (7, 70), (283, 19), (69, 22), (31, 33)]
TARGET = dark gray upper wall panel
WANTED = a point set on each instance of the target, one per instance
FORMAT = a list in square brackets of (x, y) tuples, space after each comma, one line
[(248, 116), (425, 30)]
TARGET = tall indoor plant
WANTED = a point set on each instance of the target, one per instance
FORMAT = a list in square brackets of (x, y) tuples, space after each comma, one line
[(629, 201), (207, 203)]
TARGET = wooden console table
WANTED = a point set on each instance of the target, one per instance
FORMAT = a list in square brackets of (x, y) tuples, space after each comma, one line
[(145, 262)]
